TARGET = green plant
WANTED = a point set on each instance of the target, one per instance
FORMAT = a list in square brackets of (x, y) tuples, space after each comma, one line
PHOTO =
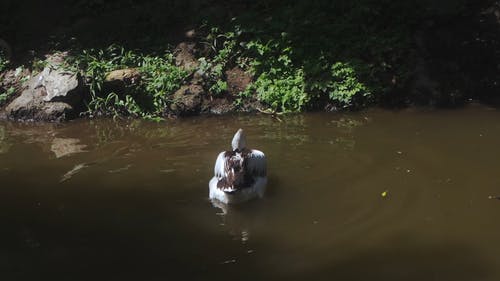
[(283, 91), (344, 86), (219, 87), (159, 78), (38, 65), (5, 95), (280, 84), (224, 50)]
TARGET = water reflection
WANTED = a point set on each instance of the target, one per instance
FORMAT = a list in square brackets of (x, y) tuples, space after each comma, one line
[(68, 175), (4, 142), (66, 146)]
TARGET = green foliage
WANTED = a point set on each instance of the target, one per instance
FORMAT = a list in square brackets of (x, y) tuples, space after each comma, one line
[(38, 65), (344, 86), (96, 64), (219, 87), (279, 84), (286, 79), (340, 52), (159, 79), (283, 91), (224, 49), (5, 95), (302, 54)]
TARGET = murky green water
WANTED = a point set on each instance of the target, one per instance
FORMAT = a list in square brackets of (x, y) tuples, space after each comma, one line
[(99, 200)]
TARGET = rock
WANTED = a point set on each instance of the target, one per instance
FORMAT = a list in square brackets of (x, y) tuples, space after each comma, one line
[(125, 77), (56, 59), (184, 56), (191, 34), (237, 80), (120, 80), (60, 85), (12, 79), (31, 106), (53, 95), (217, 106), (187, 100)]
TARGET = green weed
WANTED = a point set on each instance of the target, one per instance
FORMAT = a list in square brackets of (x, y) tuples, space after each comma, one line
[(5, 95), (159, 79)]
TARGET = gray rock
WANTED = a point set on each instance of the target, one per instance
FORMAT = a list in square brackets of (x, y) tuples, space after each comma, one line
[(53, 95), (58, 84)]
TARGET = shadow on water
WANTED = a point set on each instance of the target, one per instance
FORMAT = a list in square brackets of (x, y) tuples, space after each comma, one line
[(407, 259), (122, 241), (92, 237)]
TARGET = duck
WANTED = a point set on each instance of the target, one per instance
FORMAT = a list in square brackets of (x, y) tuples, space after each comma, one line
[(239, 174)]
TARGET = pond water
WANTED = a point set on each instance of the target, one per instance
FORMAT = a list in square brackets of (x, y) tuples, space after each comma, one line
[(374, 195)]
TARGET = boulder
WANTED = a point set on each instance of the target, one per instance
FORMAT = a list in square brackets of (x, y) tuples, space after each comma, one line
[(30, 105), (13, 78), (184, 56), (237, 80), (123, 77), (59, 85), (218, 106), (53, 95), (187, 100)]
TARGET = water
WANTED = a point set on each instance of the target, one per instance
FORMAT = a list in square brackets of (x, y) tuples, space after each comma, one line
[(374, 195)]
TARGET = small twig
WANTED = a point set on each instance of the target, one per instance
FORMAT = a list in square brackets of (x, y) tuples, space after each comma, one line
[(273, 114)]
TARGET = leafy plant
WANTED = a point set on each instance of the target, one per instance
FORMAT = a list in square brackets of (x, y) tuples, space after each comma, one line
[(37, 65), (5, 95), (224, 50), (283, 91), (344, 86), (159, 78)]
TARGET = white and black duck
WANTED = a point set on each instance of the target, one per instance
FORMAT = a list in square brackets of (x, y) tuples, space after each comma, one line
[(240, 174)]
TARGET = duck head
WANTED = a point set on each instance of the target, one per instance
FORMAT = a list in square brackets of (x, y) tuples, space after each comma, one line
[(239, 141)]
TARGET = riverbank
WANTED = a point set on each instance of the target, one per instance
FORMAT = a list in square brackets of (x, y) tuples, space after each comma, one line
[(155, 61)]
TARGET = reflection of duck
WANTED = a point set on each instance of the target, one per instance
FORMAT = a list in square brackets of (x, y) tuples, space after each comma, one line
[(240, 174)]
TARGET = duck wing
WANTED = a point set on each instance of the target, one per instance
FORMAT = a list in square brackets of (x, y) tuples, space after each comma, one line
[(256, 164), (229, 171), (220, 165)]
